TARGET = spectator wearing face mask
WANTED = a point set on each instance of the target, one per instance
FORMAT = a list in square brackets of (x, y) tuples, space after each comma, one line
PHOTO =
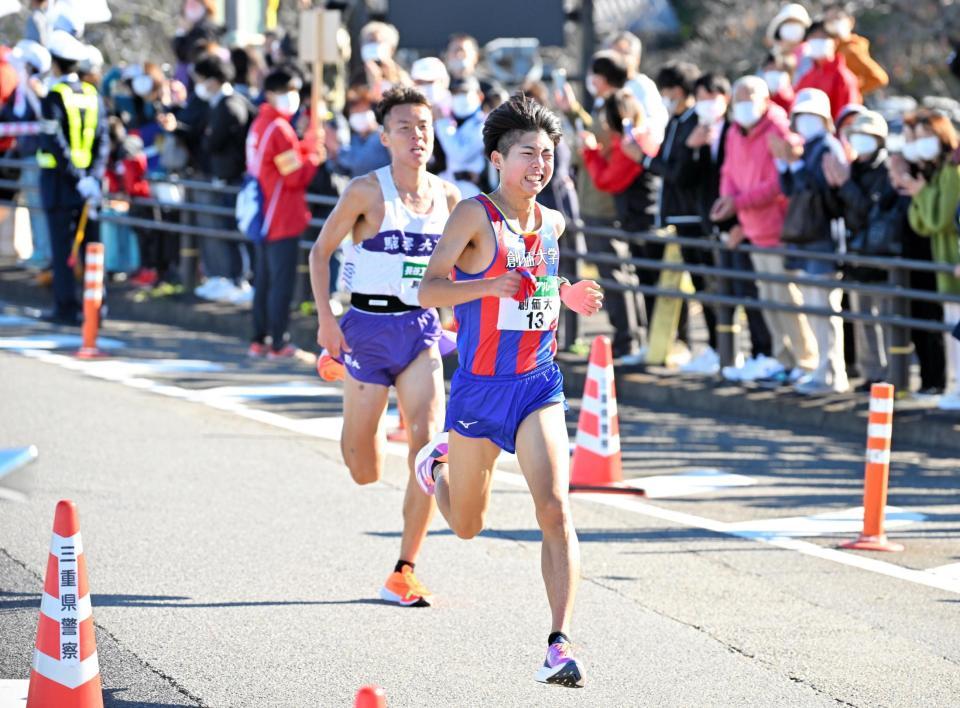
[(777, 72), (197, 23), (284, 165), (607, 75), (708, 142), (935, 192), (874, 214), (785, 35), (628, 45), (809, 226), (678, 205), (378, 44), (829, 72), (854, 49), (364, 152), (750, 191), (462, 56), (461, 137), (231, 114), (430, 77)]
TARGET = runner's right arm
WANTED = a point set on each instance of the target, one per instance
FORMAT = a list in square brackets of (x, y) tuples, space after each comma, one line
[(349, 210), (465, 228)]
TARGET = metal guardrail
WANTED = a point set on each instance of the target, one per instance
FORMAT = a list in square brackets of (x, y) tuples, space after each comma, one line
[(896, 287)]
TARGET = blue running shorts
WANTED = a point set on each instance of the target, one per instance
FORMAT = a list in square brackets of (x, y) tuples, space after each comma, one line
[(383, 345), (493, 407)]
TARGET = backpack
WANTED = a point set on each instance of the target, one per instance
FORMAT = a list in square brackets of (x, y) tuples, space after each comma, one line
[(249, 206)]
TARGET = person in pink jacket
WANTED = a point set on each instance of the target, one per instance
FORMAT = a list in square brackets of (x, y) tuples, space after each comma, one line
[(750, 191)]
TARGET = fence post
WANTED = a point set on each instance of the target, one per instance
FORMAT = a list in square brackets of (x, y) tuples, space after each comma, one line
[(189, 252), (570, 320), (901, 347), (726, 329)]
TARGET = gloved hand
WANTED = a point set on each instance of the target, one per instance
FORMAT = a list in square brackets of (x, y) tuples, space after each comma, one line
[(583, 297), (528, 286), (89, 188)]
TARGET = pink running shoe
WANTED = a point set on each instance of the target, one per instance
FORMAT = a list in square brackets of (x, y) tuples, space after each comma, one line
[(431, 454), (560, 667)]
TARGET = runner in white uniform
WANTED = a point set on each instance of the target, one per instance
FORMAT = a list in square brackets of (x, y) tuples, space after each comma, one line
[(396, 215)]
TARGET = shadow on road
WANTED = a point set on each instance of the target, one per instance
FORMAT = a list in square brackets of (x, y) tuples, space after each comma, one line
[(20, 601)]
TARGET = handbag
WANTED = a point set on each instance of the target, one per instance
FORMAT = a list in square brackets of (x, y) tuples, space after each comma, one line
[(806, 220), (883, 235)]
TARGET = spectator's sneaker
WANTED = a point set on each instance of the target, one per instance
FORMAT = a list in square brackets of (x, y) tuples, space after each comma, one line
[(811, 386), (257, 350), (949, 401), (241, 295), (403, 588), (560, 667), (214, 289), (635, 359), (781, 377), (763, 367), (144, 278), (706, 363), (287, 352), (431, 454)]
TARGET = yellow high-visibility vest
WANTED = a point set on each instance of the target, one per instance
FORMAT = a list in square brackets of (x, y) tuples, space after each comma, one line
[(82, 114)]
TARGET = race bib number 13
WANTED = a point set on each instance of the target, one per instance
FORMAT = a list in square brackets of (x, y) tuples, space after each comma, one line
[(538, 313)]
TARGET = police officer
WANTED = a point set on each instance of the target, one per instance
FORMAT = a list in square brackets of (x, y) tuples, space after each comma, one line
[(72, 161)]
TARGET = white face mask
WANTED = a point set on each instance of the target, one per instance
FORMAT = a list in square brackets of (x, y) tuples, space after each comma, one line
[(456, 66), (142, 85), (592, 85), (927, 149), (775, 80), (809, 126), (792, 32), (864, 145), (840, 28), (465, 104), (202, 91), (669, 103), (362, 121), (909, 152), (747, 113), (709, 111), (374, 51), (820, 48), (194, 12), (287, 103)]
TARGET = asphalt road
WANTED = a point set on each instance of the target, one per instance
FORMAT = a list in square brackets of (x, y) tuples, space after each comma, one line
[(233, 563)]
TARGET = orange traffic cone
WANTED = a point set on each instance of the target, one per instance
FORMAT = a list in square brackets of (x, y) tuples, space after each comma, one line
[(596, 464), (371, 697), (92, 299), (66, 673), (877, 473)]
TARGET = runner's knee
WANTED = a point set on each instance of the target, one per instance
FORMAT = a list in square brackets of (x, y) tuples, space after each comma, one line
[(467, 527), (553, 516), (364, 474)]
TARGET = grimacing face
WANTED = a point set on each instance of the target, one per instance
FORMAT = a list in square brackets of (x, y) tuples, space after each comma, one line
[(528, 165)]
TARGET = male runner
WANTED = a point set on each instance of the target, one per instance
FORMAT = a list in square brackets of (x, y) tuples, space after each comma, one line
[(396, 215), (503, 253)]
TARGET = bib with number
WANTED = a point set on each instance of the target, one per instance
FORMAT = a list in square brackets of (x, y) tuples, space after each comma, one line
[(538, 313)]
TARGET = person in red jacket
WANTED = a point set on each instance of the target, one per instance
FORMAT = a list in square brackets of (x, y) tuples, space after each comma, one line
[(284, 165), (829, 73)]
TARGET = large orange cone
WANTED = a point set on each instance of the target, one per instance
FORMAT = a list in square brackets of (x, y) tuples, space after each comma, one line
[(65, 673), (371, 697), (877, 472), (596, 464), (92, 300)]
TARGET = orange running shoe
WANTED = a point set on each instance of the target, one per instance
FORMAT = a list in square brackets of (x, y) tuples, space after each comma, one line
[(404, 589)]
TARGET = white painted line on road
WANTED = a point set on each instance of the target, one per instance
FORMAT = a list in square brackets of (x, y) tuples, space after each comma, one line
[(832, 523), (54, 341), (685, 484), (947, 571), (13, 692), (310, 428)]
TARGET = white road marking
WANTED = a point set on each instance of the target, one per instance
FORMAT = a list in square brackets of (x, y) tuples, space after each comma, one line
[(831, 523), (684, 484), (313, 428), (13, 692), (947, 571), (55, 341)]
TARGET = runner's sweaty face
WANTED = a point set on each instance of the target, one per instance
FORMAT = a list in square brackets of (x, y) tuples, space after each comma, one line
[(528, 165), (408, 134)]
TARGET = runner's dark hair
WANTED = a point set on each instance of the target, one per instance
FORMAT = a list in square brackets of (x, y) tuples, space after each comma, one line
[(399, 96), (511, 119)]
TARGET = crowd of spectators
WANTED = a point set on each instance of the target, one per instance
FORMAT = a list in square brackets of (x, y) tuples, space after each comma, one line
[(804, 151)]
